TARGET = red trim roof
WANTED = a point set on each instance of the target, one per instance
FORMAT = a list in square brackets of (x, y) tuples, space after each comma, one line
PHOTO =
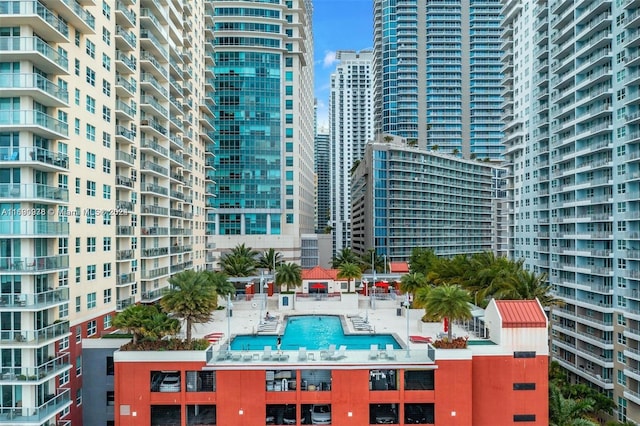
[(521, 314), (319, 273), (395, 267)]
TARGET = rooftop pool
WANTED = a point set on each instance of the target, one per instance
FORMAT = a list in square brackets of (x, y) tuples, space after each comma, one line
[(313, 332)]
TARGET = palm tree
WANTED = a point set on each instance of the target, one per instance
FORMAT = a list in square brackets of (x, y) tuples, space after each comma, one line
[(269, 259), (346, 255), (371, 260), (412, 282), (289, 274), (387, 138), (568, 412), (221, 283), (158, 324), (450, 302), (132, 320), (349, 271), (237, 266), (192, 297), (354, 167), (239, 262), (526, 285), (421, 260)]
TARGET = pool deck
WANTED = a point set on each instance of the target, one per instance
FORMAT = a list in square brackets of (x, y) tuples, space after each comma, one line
[(383, 320)]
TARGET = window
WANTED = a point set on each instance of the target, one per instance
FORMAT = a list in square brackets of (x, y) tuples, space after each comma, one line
[(76, 97), (76, 38), (419, 380), (529, 354), (91, 76), (63, 312), (91, 216), (92, 328), (78, 306), (90, 48), (63, 246), (106, 293), (524, 386), (91, 272), (106, 36), (63, 278), (106, 140), (524, 417), (111, 398), (76, 67), (79, 365), (63, 181), (106, 9), (91, 160), (106, 87), (106, 218), (78, 274), (77, 244), (110, 366), (64, 378), (106, 321), (76, 126), (91, 300), (91, 188), (106, 192), (106, 270), (64, 343), (106, 165), (106, 244), (91, 244), (91, 132), (106, 114), (106, 62)]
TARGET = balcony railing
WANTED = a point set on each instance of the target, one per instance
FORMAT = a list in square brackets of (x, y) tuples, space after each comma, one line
[(32, 227), (37, 415), (124, 303), (28, 300), (150, 209), (125, 279), (30, 117), (32, 153), (155, 273), (38, 336), (33, 190), (21, 45), (151, 252), (33, 264), (33, 7), (49, 368), (33, 81)]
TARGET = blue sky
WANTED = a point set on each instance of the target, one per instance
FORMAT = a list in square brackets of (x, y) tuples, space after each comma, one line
[(337, 25)]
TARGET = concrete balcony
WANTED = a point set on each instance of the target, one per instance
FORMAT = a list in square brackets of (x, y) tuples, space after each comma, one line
[(36, 415), (34, 192), (153, 295), (33, 265), (32, 228), (34, 300), (35, 14), (37, 337), (34, 121), (35, 50), (126, 279), (122, 304), (41, 373), (35, 86), (35, 157)]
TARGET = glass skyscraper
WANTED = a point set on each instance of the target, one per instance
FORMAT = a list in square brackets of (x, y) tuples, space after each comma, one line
[(437, 73), (263, 158)]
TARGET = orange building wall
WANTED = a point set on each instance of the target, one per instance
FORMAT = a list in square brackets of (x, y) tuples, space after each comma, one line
[(495, 375), (467, 393)]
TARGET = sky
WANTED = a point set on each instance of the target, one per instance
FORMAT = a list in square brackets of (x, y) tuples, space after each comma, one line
[(337, 25)]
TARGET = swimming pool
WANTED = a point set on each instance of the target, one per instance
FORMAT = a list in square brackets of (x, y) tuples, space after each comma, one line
[(313, 332)]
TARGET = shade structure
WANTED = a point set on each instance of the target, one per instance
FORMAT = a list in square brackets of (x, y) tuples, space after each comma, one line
[(382, 284), (317, 286)]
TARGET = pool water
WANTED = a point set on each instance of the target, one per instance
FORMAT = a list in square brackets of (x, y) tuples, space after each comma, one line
[(313, 332)]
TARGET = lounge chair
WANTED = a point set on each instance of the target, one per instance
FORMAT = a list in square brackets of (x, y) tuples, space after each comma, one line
[(389, 352), (329, 352), (374, 352), (340, 353), (267, 353), (420, 339), (223, 355), (302, 354)]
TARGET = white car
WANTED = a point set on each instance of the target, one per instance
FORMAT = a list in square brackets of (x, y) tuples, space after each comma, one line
[(321, 414), (170, 383)]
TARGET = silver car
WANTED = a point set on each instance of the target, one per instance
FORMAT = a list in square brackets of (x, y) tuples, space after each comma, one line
[(170, 383), (321, 414)]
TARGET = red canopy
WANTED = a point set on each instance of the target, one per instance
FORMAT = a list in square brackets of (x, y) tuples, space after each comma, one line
[(382, 284), (317, 286)]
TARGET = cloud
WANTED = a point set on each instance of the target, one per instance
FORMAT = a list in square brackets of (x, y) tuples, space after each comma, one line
[(329, 59)]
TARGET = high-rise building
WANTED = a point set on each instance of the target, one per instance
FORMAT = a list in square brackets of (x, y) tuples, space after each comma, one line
[(404, 197), (103, 122), (571, 136), (437, 74), (263, 158), (323, 181), (351, 127)]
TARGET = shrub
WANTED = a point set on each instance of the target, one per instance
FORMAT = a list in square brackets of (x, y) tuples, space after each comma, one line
[(457, 343), (166, 345)]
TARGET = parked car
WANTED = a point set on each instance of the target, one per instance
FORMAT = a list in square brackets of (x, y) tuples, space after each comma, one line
[(170, 383), (289, 415), (413, 414), (385, 415), (321, 414)]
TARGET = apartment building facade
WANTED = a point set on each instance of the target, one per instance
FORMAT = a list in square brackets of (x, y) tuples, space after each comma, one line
[(437, 74), (350, 128), (404, 197), (102, 127), (571, 109), (323, 180), (264, 159)]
